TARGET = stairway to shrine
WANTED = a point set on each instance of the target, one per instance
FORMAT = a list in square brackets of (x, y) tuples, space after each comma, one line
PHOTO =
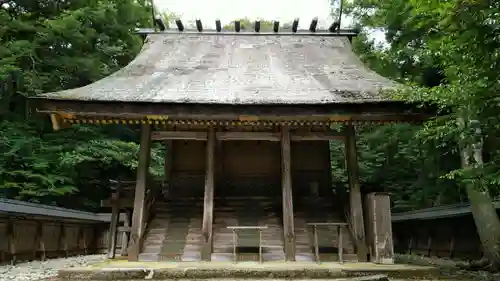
[(320, 210), (248, 211), (174, 234)]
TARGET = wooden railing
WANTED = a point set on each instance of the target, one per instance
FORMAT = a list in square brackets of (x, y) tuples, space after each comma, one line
[(340, 226), (149, 202), (117, 208), (235, 238)]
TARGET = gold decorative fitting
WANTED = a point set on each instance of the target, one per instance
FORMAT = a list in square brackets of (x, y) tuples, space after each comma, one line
[(233, 123), (157, 117)]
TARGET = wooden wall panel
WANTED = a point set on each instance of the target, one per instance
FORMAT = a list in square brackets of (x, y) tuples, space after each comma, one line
[(4, 246), (242, 158), (249, 168), (72, 237), (310, 155), (24, 236), (189, 156), (51, 233), (311, 166), (188, 169)]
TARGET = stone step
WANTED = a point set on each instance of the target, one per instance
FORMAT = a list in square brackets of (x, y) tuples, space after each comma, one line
[(153, 241), (151, 249), (157, 230), (149, 257)]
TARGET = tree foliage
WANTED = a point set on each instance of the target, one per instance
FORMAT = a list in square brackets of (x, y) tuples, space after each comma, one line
[(47, 46), (449, 52)]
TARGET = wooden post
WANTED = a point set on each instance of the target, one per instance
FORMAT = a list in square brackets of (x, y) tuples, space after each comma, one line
[(140, 193), (168, 166), (286, 188), (113, 227), (452, 243), (379, 226), (356, 204), (84, 240), (38, 241), (11, 241), (316, 243), (429, 244), (208, 204), (340, 244), (125, 234), (410, 245), (62, 243), (42, 243)]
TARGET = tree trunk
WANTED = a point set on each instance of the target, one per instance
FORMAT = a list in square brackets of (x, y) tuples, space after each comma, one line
[(485, 216)]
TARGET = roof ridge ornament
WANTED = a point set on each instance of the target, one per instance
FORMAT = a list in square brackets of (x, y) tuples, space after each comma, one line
[(257, 26), (333, 30)]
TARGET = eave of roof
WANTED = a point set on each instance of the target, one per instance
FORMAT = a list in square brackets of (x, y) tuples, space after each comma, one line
[(381, 111), (16, 207), (437, 212)]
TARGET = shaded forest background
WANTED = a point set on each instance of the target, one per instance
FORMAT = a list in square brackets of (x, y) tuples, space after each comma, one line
[(447, 51)]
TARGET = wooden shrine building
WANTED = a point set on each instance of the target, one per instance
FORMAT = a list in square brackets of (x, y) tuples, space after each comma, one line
[(247, 117)]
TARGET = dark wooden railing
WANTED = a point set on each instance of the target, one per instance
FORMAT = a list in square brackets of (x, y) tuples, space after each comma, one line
[(235, 239), (118, 203), (340, 226)]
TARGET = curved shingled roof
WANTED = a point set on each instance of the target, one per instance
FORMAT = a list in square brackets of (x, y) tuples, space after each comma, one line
[(239, 69)]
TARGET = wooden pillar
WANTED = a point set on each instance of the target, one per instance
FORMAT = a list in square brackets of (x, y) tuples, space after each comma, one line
[(208, 204), (286, 189), (168, 166), (125, 234), (113, 227), (140, 193), (355, 200)]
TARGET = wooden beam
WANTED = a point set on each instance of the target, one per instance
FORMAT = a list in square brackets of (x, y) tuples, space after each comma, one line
[(124, 202), (208, 204), (113, 226), (264, 136), (323, 33), (140, 193), (178, 135), (317, 136), (286, 188), (356, 204), (56, 126), (126, 228)]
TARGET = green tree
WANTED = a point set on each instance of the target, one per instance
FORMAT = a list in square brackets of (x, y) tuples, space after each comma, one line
[(449, 51), (51, 45)]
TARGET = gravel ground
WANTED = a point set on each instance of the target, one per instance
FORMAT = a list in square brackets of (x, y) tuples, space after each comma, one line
[(47, 270), (449, 268), (42, 270)]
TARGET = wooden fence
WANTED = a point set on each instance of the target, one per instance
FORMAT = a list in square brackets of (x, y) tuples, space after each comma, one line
[(32, 231), (445, 232)]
